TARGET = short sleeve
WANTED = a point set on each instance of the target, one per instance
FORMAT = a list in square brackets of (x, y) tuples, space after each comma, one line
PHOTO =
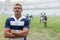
[(7, 23), (26, 25)]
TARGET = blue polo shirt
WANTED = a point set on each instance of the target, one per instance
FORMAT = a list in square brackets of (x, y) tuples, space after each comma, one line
[(15, 24)]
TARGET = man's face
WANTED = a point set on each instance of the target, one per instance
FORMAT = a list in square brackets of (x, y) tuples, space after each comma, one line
[(17, 9)]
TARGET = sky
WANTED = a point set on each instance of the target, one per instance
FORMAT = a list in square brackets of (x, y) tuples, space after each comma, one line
[(21, 0), (31, 0), (40, 4), (2, 0)]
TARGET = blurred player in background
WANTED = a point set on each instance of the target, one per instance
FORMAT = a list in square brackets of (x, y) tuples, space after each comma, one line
[(45, 20), (17, 26), (41, 17), (29, 17)]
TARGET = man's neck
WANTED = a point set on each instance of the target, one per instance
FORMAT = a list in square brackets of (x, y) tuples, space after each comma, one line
[(17, 16)]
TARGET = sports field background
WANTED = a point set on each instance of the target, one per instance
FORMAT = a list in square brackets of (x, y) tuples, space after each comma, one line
[(37, 31)]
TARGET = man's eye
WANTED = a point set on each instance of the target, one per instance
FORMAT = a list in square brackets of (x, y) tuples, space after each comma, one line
[(15, 8), (19, 8)]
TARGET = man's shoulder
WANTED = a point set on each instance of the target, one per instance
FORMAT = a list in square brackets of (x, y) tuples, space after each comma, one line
[(9, 18), (24, 18)]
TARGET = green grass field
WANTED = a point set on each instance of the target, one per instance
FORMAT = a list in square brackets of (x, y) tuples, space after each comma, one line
[(37, 31)]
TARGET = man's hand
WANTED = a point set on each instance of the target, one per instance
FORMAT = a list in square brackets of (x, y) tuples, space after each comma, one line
[(8, 34), (13, 31), (20, 33)]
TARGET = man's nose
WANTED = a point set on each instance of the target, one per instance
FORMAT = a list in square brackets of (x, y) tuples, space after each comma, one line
[(17, 9)]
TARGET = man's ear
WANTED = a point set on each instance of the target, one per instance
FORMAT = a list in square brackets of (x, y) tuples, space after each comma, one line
[(22, 9)]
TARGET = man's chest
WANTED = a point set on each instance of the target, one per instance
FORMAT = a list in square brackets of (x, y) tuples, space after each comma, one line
[(17, 25)]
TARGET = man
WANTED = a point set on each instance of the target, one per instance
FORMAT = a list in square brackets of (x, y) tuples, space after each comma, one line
[(28, 17), (41, 18), (17, 26), (31, 16), (45, 20)]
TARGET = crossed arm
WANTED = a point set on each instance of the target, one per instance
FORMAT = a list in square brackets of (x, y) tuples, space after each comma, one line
[(13, 34)]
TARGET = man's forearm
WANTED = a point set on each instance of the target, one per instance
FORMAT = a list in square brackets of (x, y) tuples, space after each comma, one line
[(21, 34), (9, 35)]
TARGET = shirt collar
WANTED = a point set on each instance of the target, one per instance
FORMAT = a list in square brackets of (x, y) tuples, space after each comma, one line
[(18, 19)]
